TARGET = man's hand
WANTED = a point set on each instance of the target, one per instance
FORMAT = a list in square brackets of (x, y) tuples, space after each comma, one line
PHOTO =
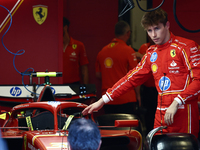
[(139, 55), (170, 112), (93, 107)]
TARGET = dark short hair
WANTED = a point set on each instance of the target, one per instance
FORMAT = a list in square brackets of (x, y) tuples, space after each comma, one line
[(66, 22), (154, 18), (84, 134), (121, 28)]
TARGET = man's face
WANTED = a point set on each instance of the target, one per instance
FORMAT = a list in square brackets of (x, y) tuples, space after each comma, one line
[(159, 33)]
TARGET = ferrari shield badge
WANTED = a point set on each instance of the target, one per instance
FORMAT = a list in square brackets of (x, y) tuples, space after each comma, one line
[(173, 53), (74, 46), (40, 13)]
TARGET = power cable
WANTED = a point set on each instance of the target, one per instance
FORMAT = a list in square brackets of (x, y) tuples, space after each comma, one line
[(131, 5), (149, 10), (20, 52), (177, 21)]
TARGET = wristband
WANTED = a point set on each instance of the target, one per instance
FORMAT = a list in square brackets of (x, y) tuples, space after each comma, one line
[(105, 98), (178, 100)]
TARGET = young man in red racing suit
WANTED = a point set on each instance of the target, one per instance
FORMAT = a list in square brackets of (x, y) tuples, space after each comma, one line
[(174, 63)]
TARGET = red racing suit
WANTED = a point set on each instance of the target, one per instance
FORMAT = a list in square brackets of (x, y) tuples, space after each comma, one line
[(176, 69)]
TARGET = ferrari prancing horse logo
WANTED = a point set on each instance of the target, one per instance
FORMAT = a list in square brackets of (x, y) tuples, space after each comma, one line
[(40, 13), (173, 53)]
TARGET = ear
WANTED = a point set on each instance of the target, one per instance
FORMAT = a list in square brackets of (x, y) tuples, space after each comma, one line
[(129, 33), (167, 24)]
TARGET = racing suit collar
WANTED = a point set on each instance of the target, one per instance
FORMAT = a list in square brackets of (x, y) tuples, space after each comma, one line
[(161, 47)]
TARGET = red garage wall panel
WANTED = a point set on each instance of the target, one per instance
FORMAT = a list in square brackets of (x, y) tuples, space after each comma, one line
[(187, 13), (92, 22), (40, 42)]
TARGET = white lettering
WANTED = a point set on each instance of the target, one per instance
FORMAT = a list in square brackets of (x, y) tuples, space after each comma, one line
[(174, 71), (194, 56), (195, 64), (31, 147), (195, 59), (193, 48), (194, 51), (173, 67)]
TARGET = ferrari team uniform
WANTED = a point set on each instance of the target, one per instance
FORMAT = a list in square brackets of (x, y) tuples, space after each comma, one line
[(114, 61), (176, 69), (74, 56)]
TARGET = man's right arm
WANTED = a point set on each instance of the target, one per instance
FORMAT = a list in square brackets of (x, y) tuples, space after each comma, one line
[(132, 79)]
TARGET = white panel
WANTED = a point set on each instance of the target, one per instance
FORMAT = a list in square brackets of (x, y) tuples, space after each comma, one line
[(138, 33)]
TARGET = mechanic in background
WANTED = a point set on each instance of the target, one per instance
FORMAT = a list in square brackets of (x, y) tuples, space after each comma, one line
[(113, 62), (175, 64), (75, 61), (84, 134)]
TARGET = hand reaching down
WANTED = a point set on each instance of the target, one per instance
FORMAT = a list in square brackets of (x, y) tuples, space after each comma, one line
[(93, 107)]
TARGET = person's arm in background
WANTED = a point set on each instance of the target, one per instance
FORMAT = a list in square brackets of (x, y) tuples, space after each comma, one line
[(139, 55), (84, 74)]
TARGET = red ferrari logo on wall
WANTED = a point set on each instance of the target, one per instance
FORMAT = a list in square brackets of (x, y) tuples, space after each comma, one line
[(40, 13)]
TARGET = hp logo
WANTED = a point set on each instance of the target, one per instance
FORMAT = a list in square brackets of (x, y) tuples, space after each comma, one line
[(154, 57), (53, 90), (15, 91), (164, 83)]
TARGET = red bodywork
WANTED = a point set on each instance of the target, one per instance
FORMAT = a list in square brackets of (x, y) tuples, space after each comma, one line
[(42, 123), (17, 131)]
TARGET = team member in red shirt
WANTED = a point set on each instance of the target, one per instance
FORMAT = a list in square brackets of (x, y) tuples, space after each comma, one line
[(75, 69), (113, 62), (175, 64)]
